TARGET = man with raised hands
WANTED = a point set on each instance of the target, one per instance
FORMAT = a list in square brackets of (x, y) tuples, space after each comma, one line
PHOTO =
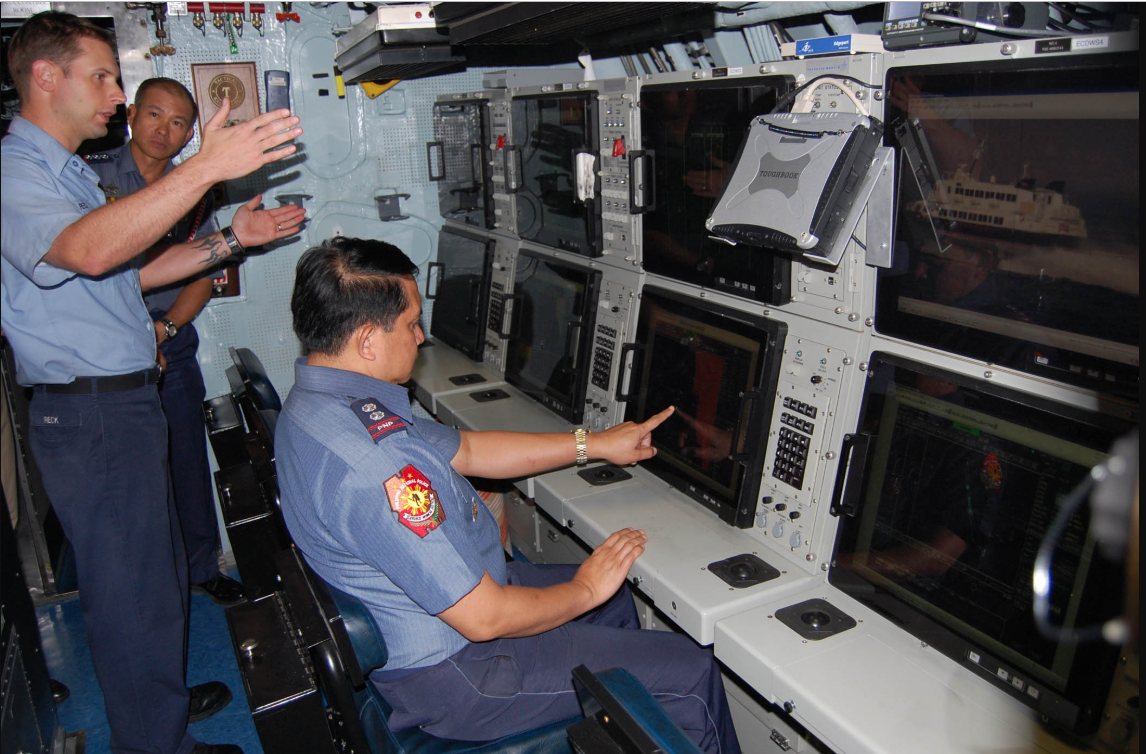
[(83, 339)]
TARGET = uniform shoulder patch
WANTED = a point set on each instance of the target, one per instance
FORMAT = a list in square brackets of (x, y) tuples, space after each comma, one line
[(378, 421), (413, 498)]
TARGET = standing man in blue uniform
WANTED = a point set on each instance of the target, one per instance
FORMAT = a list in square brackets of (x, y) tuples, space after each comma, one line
[(73, 312), (378, 504), (162, 121)]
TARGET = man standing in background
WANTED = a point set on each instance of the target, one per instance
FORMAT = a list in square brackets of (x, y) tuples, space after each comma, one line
[(162, 122), (82, 338)]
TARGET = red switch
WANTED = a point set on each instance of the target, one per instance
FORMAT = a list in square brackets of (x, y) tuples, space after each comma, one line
[(501, 141), (619, 147)]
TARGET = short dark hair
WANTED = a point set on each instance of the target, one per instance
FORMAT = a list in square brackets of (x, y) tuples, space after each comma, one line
[(170, 85), (346, 283), (51, 35)]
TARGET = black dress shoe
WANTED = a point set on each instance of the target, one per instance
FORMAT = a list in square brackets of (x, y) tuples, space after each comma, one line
[(207, 699), (222, 590), (60, 692), (216, 749)]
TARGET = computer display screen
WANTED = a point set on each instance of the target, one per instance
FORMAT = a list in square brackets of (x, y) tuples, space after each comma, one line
[(552, 317), (714, 366), (694, 133), (959, 488), (549, 133), (1017, 216), (458, 284)]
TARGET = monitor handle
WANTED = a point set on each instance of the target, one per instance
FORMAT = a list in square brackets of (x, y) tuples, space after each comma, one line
[(748, 403), (430, 147), (511, 187), (475, 301), (626, 348), (479, 176), (573, 342), (508, 313), (849, 479), (645, 159), (430, 276)]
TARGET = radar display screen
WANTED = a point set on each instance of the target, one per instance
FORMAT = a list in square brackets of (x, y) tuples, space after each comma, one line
[(959, 489)]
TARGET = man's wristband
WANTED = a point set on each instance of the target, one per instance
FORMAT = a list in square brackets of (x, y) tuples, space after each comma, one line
[(582, 448), (232, 240)]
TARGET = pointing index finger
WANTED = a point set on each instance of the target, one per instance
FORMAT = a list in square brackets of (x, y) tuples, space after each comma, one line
[(656, 420)]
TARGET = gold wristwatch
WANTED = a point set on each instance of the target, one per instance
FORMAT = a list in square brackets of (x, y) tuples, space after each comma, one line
[(582, 449)]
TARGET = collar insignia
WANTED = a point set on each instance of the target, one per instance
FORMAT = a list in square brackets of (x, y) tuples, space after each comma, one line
[(378, 421)]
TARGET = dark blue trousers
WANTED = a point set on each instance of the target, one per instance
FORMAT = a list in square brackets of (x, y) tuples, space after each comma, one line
[(182, 392), (103, 459), (496, 688)]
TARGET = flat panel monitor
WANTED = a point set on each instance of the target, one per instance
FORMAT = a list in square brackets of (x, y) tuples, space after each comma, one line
[(458, 157), (553, 135), (458, 284), (957, 488), (553, 315), (693, 133), (1017, 215), (719, 367)]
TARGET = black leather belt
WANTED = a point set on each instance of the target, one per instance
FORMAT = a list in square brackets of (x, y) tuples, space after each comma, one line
[(113, 384)]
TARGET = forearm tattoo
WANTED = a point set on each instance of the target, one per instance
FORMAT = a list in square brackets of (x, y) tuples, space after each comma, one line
[(215, 249)]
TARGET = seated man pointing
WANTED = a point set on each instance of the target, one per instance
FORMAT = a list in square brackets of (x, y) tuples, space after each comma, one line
[(379, 505)]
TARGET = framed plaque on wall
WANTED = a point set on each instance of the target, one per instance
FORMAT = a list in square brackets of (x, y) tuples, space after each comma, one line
[(238, 81)]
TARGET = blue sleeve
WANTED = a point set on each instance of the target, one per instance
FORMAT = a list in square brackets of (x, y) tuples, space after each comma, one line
[(386, 515), (446, 440), (33, 214)]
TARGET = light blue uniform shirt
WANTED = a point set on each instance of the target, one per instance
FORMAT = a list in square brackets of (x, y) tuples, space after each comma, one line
[(337, 480), (61, 325)]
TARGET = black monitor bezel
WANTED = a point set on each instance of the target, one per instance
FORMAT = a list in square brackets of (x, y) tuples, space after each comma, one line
[(738, 510), (1078, 708), (473, 347), (592, 211), (988, 346), (573, 410), (778, 291)]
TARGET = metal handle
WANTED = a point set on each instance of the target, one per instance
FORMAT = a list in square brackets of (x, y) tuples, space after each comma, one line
[(573, 341), (645, 160), (627, 348), (479, 174), (748, 402), (845, 498), (512, 185), (430, 146), (475, 301), (511, 314), (430, 276)]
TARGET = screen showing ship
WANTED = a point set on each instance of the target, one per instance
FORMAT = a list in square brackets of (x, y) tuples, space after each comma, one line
[(1017, 218)]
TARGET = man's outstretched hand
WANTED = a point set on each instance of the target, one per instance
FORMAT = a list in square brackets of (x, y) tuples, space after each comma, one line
[(627, 443), (254, 226), (233, 152)]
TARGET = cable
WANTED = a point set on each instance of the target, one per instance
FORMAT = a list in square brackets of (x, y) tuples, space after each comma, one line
[(787, 99), (983, 26), (1114, 631), (803, 103)]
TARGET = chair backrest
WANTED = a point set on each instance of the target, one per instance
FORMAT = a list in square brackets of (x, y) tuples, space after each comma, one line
[(250, 372)]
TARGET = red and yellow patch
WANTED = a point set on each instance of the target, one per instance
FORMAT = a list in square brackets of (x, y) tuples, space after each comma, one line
[(415, 501)]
